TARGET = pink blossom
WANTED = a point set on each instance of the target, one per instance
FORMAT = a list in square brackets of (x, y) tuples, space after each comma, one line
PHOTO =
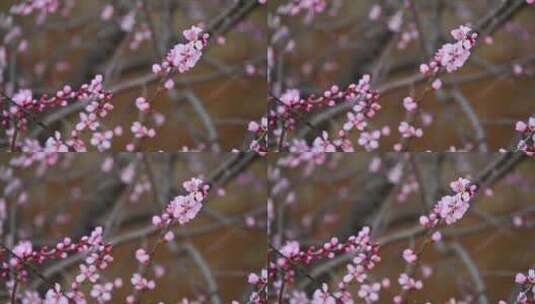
[(169, 84), (521, 126), (142, 104), (141, 283), (437, 84), (518, 221), (528, 282), (107, 12), (102, 140), (102, 292), (323, 144), (22, 250), (408, 283), (520, 278), (323, 296), (55, 296), (290, 249), (55, 144), (409, 256), (253, 278), (357, 120), (128, 22), (290, 97), (87, 120), (369, 140), (409, 104), (424, 68), (184, 56), (375, 12), (369, 292), (156, 68), (141, 131), (408, 131), (436, 236), (169, 236), (184, 208), (87, 272), (253, 126), (355, 272), (142, 256), (452, 56), (451, 208), (395, 22)]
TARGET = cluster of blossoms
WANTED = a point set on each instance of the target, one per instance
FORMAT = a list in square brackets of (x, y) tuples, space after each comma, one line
[(285, 114), (365, 253), (528, 287), (451, 208), (452, 56), (97, 259), (22, 103), (184, 57), (22, 106), (184, 208), (527, 143)]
